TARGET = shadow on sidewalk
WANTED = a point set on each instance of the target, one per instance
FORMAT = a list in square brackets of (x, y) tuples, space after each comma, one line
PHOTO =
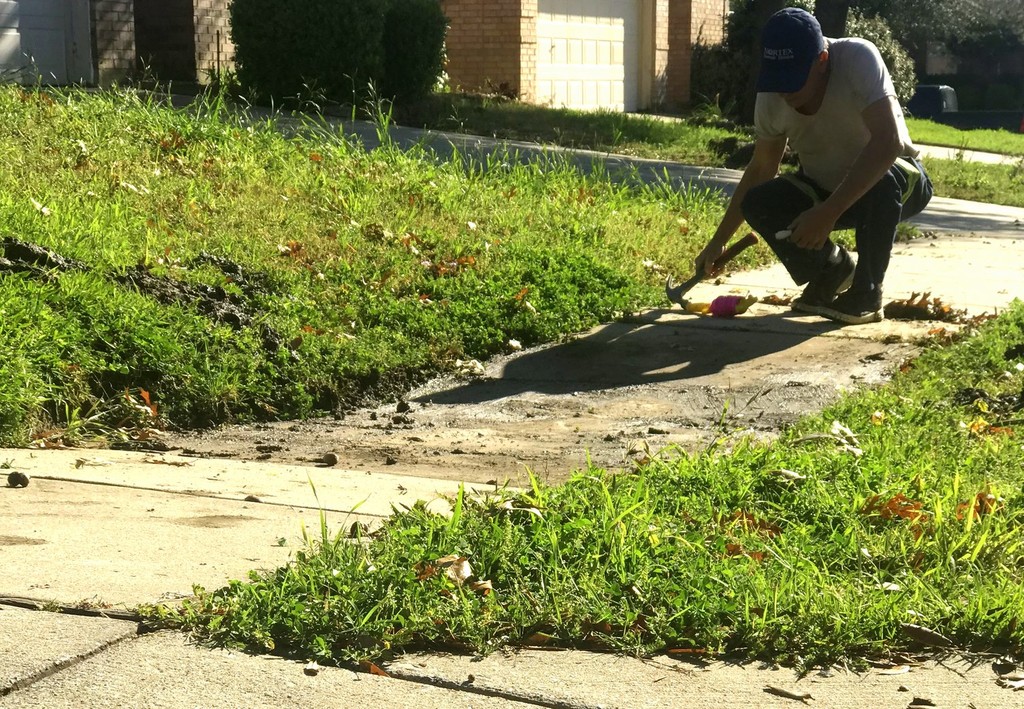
[(646, 351)]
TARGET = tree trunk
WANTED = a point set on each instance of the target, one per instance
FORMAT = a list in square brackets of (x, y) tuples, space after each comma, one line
[(763, 9), (831, 16)]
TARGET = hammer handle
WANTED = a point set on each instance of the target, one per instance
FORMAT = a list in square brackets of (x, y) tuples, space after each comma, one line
[(733, 251)]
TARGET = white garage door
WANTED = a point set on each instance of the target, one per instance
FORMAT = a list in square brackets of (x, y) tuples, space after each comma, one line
[(49, 38), (588, 53)]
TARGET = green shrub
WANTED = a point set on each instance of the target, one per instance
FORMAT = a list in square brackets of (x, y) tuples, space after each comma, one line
[(414, 34), (288, 49), (719, 75), (901, 66)]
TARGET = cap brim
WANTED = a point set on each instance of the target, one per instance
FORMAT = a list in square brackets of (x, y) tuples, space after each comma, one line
[(788, 81)]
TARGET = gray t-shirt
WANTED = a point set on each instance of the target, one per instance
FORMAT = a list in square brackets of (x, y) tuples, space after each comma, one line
[(829, 142)]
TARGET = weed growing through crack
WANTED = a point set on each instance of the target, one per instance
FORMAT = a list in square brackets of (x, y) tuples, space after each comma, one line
[(896, 507)]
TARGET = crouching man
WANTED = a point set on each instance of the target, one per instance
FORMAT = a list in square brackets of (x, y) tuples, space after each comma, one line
[(834, 103)]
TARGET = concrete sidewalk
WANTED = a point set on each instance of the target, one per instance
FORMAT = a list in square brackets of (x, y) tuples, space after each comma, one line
[(101, 529), (124, 529)]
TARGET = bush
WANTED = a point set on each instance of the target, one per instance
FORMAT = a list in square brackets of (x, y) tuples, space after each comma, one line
[(288, 49), (414, 34), (718, 76), (901, 66)]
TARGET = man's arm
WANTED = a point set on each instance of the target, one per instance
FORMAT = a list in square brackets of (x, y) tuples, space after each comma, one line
[(763, 166), (811, 228)]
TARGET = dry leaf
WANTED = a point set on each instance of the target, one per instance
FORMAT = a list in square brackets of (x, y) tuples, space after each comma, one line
[(460, 571), (483, 587), (373, 669), (897, 507), (144, 395), (424, 571), (750, 522)]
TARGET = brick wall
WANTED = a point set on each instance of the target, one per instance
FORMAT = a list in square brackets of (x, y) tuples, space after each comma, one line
[(707, 21), (690, 22), (485, 44), (113, 39), (214, 51)]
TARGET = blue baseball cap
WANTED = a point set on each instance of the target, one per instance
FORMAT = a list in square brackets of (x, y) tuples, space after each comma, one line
[(790, 43)]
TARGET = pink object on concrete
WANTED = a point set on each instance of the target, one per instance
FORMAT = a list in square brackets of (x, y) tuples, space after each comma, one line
[(725, 306)]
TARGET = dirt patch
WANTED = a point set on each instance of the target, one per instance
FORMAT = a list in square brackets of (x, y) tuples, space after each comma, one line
[(621, 392), (625, 390), (215, 521)]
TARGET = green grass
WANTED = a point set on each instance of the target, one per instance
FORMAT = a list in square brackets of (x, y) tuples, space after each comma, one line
[(963, 179), (989, 141), (909, 515), (356, 274)]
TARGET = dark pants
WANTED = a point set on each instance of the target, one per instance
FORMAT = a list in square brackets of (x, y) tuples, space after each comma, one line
[(772, 207)]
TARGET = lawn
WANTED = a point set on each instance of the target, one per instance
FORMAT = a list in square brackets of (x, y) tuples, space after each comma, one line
[(990, 141)]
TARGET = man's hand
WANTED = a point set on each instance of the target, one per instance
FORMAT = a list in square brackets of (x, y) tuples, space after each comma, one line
[(705, 261), (812, 227)]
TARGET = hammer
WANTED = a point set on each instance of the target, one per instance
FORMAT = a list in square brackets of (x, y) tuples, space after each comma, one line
[(675, 293)]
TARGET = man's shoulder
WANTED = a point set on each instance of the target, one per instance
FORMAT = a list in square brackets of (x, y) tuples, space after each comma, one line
[(852, 47)]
